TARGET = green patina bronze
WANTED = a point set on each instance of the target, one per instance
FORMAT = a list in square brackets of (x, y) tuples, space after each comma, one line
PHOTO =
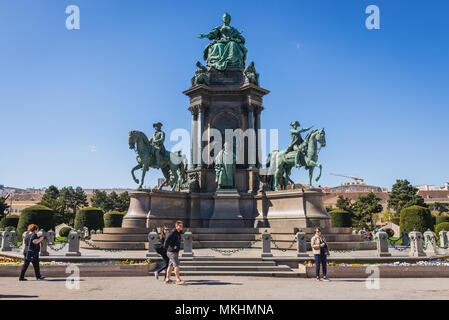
[(152, 154), (298, 154), (251, 74), (201, 76), (225, 168), (227, 50)]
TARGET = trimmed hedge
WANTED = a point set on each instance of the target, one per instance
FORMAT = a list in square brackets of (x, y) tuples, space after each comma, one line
[(113, 219), (416, 218), (64, 231), (340, 218), (396, 220), (442, 219), (89, 217), (10, 221), (37, 214), (441, 226)]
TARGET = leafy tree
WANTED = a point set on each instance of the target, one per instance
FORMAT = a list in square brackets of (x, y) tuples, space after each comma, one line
[(344, 204), (123, 202), (3, 205), (73, 199), (365, 207), (51, 193), (99, 199), (387, 215), (404, 195), (439, 207)]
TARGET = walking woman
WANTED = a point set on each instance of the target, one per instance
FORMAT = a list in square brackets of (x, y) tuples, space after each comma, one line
[(31, 251), (320, 252), (163, 252)]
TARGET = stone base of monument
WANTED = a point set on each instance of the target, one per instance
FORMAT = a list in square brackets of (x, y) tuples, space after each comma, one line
[(228, 219), (296, 208), (226, 212)]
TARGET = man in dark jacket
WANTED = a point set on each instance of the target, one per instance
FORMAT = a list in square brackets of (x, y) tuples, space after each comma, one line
[(173, 244)]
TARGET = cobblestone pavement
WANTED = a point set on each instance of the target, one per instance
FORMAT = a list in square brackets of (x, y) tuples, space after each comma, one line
[(222, 288)]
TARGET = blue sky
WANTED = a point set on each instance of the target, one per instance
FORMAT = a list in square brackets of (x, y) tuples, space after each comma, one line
[(69, 97)]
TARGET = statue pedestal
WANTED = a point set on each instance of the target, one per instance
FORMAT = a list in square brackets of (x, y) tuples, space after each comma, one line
[(140, 202), (291, 208), (226, 212)]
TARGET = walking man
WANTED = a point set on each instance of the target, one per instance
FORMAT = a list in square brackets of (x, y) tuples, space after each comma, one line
[(173, 244)]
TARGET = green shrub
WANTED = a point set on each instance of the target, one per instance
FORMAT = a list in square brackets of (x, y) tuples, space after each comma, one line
[(396, 220), (416, 218), (89, 217), (64, 231), (113, 219), (340, 218), (389, 231), (10, 221), (10, 228), (441, 226), (442, 219), (40, 215)]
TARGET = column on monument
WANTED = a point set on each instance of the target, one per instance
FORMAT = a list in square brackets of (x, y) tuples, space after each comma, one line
[(252, 147), (200, 129), (257, 128), (194, 132)]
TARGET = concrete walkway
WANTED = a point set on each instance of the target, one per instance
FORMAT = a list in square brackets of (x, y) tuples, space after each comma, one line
[(224, 288)]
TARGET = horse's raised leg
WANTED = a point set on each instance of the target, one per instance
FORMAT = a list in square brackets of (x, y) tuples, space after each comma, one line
[(144, 171), (319, 175), (139, 166), (310, 176)]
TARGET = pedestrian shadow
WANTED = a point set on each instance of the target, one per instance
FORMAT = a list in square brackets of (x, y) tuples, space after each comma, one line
[(17, 296), (348, 280), (61, 280), (209, 283)]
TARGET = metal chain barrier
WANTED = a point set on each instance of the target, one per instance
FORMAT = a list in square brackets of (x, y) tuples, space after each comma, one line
[(11, 244), (393, 244), (364, 245), (52, 247), (285, 249), (228, 252)]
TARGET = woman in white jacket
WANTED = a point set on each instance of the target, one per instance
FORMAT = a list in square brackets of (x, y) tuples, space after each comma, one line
[(320, 252)]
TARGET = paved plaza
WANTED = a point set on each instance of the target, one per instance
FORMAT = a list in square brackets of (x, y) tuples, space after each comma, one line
[(223, 288)]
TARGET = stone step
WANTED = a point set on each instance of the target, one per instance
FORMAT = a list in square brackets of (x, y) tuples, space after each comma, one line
[(120, 237), (199, 274), (234, 268), (332, 245), (224, 230), (113, 245), (225, 237), (221, 244), (329, 237), (126, 231), (214, 263)]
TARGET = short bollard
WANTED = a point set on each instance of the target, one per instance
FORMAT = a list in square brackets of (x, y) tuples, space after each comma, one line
[(92, 232), (99, 231), (24, 235), (6, 241), (416, 248), (443, 239), (431, 243), (266, 245), (1, 239), (74, 244), (301, 244), (382, 244), (188, 245), (51, 236), (44, 243), (152, 240), (13, 236)]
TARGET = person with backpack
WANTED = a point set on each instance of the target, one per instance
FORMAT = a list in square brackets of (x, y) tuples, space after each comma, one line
[(320, 252), (31, 249), (159, 248), (173, 245)]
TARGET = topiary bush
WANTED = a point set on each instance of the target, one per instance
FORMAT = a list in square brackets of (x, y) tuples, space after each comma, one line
[(89, 217), (389, 231), (441, 226), (340, 218), (442, 219), (113, 219), (64, 231), (10, 221), (10, 228), (416, 218), (40, 215)]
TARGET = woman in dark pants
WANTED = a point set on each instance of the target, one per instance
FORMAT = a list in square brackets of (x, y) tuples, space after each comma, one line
[(31, 252), (162, 251), (320, 252)]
